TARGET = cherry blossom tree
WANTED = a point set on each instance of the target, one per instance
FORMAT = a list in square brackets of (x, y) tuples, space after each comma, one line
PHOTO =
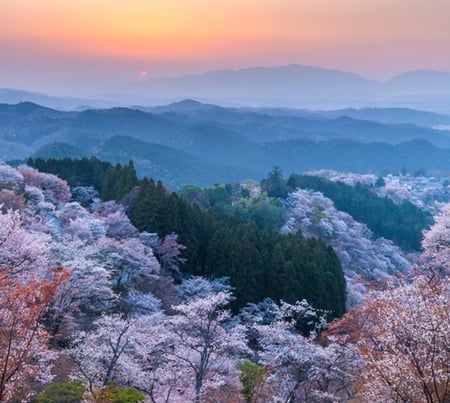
[(56, 190), (85, 195), (404, 342), (11, 200), (436, 244), (349, 178), (10, 178), (28, 286), (152, 368), (117, 222), (99, 353), (129, 261), (200, 287), (20, 251), (142, 304), (362, 258), (87, 290), (77, 222), (297, 367), (181, 357), (169, 252), (24, 348), (206, 344), (134, 351)]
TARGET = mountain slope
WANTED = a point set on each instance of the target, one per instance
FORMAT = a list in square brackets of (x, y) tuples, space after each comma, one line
[(388, 115), (174, 167), (286, 85), (299, 87), (350, 156), (14, 96), (295, 86)]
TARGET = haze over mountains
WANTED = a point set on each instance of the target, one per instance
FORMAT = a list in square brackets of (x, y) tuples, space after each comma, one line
[(189, 142), (296, 117), (294, 86)]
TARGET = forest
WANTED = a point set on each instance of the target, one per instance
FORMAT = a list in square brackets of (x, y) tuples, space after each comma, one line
[(402, 223), (117, 289)]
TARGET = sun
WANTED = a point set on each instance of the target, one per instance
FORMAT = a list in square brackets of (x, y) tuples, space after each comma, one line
[(143, 73)]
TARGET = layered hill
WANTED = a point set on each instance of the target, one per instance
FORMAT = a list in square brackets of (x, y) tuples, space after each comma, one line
[(194, 143)]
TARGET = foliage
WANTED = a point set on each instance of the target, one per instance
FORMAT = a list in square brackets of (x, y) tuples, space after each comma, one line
[(262, 210), (252, 376), (275, 185), (218, 196), (199, 287), (10, 178), (362, 257), (194, 194), (11, 200), (83, 276), (115, 394), (77, 172), (380, 182), (401, 223), (259, 263), (24, 349), (118, 181), (21, 251), (63, 392), (186, 354)]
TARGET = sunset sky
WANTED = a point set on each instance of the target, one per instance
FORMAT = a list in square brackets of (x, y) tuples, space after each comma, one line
[(77, 46)]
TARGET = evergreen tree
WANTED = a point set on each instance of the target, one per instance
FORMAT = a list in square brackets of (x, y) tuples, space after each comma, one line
[(275, 185)]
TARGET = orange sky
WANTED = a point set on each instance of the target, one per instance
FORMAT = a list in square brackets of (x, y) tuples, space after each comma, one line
[(376, 38)]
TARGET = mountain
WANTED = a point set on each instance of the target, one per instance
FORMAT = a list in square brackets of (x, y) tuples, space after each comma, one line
[(352, 156), (14, 96), (391, 125), (293, 86), (194, 143), (380, 115), (58, 151), (201, 128), (420, 82), (11, 151), (176, 168), (290, 85), (426, 89), (299, 86)]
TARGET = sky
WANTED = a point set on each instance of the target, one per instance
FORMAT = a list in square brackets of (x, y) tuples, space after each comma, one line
[(76, 47)]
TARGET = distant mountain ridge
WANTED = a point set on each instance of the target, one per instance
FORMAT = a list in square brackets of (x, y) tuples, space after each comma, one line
[(202, 144), (295, 86), (301, 86), (15, 96)]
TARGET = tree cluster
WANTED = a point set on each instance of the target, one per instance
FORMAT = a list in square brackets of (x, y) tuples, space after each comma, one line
[(81, 285), (77, 172), (259, 263), (402, 223), (362, 257)]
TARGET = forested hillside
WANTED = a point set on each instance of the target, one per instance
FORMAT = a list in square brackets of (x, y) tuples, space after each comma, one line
[(94, 309), (259, 263), (402, 223)]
